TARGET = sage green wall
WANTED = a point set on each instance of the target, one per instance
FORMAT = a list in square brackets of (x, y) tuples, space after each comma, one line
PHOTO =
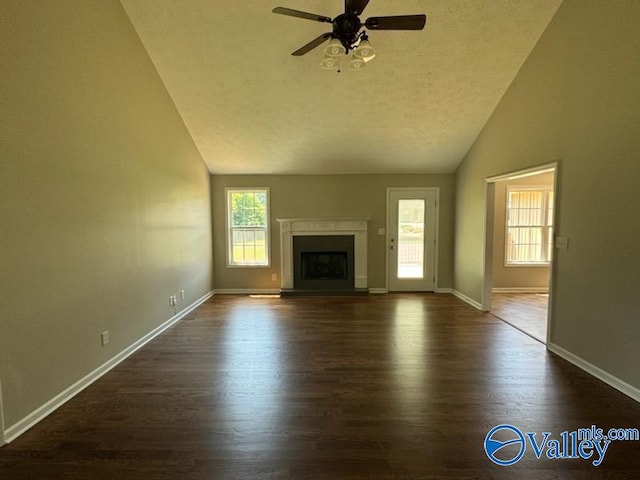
[(327, 196), (515, 276), (575, 100), (105, 207)]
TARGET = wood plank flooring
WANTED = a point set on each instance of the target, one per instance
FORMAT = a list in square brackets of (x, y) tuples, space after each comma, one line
[(402, 386), (525, 311)]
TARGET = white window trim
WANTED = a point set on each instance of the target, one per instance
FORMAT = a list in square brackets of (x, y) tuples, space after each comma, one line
[(545, 209), (228, 233)]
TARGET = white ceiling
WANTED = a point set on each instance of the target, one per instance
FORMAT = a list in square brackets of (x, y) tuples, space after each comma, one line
[(251, 107)]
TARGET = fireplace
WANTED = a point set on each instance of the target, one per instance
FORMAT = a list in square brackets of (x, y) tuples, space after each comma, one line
[(335, 255), (324, 266), (323, 262)]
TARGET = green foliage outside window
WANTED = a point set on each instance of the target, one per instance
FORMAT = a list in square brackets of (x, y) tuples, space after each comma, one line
[(249, 209)]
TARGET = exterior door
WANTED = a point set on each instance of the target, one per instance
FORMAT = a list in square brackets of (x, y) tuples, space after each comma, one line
[(411, 239)]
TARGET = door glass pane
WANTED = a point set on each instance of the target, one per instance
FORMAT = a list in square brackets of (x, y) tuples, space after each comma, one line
[(411, 238)]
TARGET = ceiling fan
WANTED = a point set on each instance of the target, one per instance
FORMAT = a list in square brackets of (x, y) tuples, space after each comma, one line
[(347, 33)]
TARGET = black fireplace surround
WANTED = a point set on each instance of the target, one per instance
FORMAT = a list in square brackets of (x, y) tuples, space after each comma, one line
[(323, 262)]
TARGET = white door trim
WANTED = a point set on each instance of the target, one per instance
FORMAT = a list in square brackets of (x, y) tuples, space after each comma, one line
[(436, 232), (487, 277), (527, 172), (1, 417)]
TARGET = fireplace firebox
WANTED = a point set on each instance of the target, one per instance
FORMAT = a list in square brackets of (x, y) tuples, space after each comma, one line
[(324, 266), (323, 262)]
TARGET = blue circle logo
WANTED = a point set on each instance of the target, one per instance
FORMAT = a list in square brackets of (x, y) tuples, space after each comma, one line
[(499, 439)]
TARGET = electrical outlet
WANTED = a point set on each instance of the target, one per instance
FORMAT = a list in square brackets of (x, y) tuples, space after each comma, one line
[(104, 337), (274, 277), (181, 294)]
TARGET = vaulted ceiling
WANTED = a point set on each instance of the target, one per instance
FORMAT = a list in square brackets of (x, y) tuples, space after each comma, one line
[(417, 107)]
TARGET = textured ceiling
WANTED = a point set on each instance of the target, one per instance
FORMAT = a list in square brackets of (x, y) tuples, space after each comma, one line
[(251, 107)]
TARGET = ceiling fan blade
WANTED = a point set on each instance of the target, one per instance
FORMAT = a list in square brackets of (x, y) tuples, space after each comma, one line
[(399, 22), (297, 13), (312, 44), (355, 7)]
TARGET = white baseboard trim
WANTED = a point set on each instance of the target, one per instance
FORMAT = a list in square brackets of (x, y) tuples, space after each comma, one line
[(247, 291), (444, 290), (521, 290), (469, 300), (597, 372), (17, 429), (378, 291)]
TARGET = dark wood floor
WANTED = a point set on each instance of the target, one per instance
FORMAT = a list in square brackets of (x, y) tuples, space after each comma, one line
[(380, 387), (525, 311)]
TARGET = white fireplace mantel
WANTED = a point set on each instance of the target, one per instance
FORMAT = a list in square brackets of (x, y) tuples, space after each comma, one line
[(290, 227)]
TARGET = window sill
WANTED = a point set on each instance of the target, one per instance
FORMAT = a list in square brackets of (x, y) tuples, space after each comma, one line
[(249, 266), (527, 265)]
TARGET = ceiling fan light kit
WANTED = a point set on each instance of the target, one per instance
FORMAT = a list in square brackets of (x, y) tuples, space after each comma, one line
[(348, 34), (330, 63), (356, 63), (365, 50), (333, 63), (335, 48)]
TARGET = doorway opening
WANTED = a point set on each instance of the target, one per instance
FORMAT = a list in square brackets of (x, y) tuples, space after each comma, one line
[(520, 221)]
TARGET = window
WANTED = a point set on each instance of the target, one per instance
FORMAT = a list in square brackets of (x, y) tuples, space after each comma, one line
[(529, 232), (248, 227)]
